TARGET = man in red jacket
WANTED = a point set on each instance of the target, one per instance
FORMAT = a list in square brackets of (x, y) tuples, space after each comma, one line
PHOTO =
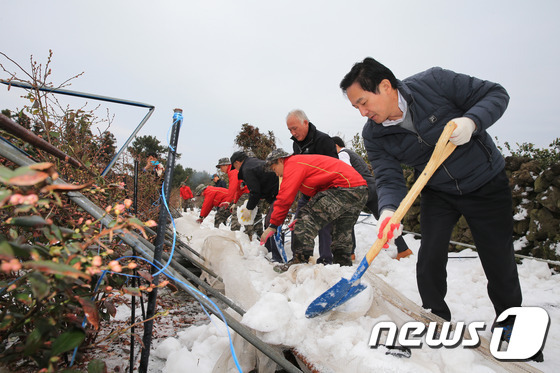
[(213, 196), (186, 195), (337, 195), (235, 190)]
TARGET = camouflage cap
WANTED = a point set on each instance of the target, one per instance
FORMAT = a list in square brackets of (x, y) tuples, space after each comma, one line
[(275, 155), (199, 189), (223, 161)]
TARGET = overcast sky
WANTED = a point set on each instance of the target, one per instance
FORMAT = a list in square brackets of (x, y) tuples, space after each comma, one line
[(226, 63)]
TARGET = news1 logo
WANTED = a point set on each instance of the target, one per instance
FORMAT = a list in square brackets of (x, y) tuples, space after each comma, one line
[(528, 334)]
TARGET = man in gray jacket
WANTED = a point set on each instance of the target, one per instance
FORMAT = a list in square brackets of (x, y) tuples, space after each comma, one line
[(405, 119)]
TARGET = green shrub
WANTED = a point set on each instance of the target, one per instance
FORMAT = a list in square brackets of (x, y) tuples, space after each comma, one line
[(50, 298), (545, 157)]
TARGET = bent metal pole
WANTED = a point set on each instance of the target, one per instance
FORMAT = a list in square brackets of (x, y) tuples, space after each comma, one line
[(26, 135)]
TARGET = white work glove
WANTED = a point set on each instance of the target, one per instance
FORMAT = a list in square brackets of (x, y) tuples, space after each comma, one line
[(463, 132), (396, 229)]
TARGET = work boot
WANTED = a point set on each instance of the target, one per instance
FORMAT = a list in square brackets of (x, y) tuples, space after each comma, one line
[(297, 259), (404, 254), (324, 261), (342, 258)]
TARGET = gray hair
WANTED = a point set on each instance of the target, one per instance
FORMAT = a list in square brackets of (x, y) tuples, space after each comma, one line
[(299, 114)]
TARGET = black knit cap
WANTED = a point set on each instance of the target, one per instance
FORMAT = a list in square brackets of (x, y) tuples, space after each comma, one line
[(238, 156)]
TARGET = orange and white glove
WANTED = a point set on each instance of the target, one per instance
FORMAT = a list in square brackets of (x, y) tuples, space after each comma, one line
[(463, 133), (246, 214), (395, 229), (266, 234)]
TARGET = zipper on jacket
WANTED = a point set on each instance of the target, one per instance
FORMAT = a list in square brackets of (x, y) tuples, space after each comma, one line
[(422, 141), (452, 178), (484, 149)]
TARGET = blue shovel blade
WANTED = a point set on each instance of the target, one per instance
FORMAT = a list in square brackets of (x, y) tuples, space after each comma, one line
[(329, 299), (341, 292), (352, 292)]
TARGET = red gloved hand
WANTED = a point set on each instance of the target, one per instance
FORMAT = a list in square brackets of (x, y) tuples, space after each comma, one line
[(291, 225), (394, 231), (223, 204), (199, 220)]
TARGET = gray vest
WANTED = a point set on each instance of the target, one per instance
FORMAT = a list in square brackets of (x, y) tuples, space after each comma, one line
[(362, 167)]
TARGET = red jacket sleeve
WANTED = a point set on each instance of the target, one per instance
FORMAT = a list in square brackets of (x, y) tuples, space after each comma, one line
[(207, 204), (189, 193), (233, 190), (213, 196), (186, 192)]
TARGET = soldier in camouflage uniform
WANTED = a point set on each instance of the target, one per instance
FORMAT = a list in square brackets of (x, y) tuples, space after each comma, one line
[(337, 195), (222, 214)]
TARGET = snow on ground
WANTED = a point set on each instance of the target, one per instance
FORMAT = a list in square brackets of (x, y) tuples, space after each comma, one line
[(276, 304)]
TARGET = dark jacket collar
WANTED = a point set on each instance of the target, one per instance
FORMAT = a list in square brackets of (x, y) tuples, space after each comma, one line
[(310, 135), (405, 91)]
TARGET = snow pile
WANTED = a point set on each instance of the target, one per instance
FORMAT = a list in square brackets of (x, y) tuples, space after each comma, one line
[(338, 341)]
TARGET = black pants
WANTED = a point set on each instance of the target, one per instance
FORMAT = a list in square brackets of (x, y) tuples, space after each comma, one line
[(488, 212)]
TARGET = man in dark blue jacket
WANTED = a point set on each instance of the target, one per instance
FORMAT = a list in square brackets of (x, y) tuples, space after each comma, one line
[(405, 120)]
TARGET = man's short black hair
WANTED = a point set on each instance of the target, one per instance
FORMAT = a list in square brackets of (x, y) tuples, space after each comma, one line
[(368, 73), (152, 154), (238, 156), (338, 141)]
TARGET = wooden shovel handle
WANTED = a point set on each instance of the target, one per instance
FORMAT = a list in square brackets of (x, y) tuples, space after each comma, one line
[(442, 150)]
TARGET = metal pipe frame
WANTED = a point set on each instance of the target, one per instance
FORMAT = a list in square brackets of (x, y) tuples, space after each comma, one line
[(16, 156), (67, 92)]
